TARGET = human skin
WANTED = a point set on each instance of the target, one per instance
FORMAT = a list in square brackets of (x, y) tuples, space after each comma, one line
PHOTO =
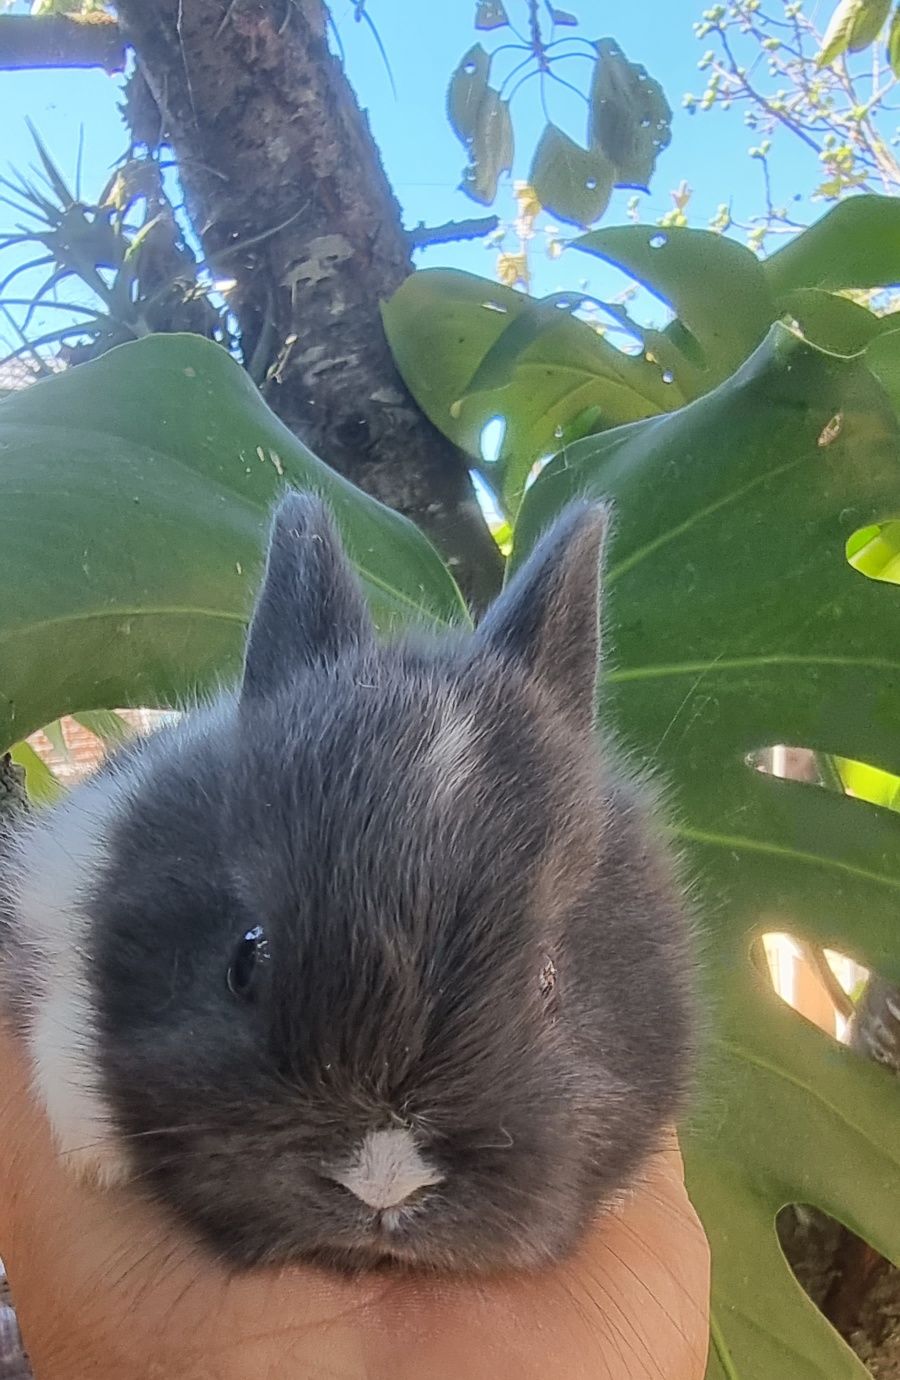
[(105, 1289)]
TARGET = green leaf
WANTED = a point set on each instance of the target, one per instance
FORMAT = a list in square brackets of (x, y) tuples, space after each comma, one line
[(837, 35), (573, 183), (893, 43), (853, 27), (105, 724), (538, 316), (883, 357), (541, 317), (715, 286), (875, 550), (466, 92), (482, 121), (836, 323), (490, 14), (135, 492), (57, 739), (868, 783), (491, 150), (562, 17), (40, 783), (735, 623), (442, 324), (54, 176), (630, 119), (867, 25), (855, 245)]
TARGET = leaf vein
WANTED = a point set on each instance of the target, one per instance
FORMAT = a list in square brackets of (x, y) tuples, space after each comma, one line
[(743, 843)]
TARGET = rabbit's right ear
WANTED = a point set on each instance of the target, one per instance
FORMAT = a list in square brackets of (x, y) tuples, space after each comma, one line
[(547, 620), (310, 608)]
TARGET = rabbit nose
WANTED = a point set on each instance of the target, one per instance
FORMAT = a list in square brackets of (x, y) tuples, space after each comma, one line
[(386, 1169)]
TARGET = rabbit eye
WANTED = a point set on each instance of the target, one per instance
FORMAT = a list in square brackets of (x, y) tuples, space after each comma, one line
[(547, 979), (252, 951)]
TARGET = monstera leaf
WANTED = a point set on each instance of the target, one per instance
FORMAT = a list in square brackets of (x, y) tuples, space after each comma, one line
[(134, 492), (856, 245), (725, 299), (549, 368), (553, 377), (734, 623), (715, 286)]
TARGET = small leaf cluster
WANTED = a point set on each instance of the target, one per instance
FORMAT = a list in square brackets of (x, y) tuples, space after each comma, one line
[(628, 120)]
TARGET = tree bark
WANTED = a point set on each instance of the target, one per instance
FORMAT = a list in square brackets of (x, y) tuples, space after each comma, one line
[(285, 187)]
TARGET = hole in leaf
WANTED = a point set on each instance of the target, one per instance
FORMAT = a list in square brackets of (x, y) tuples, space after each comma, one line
[(591, 184), (491, 441), (657, 241), (845, 775), (497, 523), (831, 430), (819, 984), (535, 470), (875, 551), (74, 746), (469, 68), (668, 376), (850, 1283), (494, 306)]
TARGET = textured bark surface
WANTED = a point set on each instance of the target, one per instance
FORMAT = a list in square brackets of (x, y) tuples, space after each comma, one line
[(286, 189), (13, 795)]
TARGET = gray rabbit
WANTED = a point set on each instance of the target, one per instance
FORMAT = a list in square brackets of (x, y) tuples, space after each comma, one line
[(379, 959)]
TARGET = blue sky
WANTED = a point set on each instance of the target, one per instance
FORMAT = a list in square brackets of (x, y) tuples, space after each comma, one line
[(423, 159)]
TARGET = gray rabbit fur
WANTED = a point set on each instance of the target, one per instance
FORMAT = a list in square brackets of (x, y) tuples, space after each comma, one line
[(380, 958)]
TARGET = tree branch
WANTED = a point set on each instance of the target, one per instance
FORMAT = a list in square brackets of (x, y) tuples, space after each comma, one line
[(451, 230), (57, 41), (756, 95), (276, 157)]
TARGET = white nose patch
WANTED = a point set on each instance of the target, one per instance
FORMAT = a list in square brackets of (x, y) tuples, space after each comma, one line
[(387, 1167)]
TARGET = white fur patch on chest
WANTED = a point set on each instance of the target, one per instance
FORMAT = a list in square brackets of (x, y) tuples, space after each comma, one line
[(57, 858), (387, 1168)]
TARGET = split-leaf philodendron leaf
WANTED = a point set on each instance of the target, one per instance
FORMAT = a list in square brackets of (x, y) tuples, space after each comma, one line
[(444, 327), (135, 492), (734, 623)]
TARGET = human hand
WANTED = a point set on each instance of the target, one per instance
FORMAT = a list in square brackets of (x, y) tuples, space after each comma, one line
[(104, 1289)]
